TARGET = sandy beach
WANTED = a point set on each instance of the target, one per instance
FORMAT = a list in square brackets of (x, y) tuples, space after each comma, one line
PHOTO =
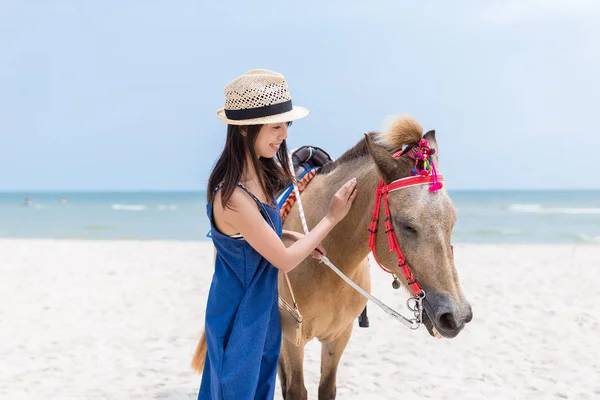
[(120, 320)]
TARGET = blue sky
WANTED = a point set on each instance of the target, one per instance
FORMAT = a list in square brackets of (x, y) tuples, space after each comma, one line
[(121, 95)]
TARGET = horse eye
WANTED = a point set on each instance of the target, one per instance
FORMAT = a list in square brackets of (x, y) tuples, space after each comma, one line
[(409, 229)]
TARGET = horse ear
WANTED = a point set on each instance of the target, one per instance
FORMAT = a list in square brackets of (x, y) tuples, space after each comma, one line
[(387, 165), (430, 137)]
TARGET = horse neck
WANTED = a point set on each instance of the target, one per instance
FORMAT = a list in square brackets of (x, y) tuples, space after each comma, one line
[(347, 243)]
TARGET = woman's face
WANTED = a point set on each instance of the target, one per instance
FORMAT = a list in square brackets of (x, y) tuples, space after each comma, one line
[(269, 138)]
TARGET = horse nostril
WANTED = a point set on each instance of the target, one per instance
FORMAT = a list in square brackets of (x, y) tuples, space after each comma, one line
[(447, 322), (469, 316)]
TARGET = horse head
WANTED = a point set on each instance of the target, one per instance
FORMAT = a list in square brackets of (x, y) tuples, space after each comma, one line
[(422, 221)]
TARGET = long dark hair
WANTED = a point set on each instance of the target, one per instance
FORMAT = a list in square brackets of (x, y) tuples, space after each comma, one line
[(273, 173)]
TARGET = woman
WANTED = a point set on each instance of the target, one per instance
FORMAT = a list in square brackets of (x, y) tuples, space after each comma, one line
[(243, 331)]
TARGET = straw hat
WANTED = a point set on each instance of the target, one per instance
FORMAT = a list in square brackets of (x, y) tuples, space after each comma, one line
[(258, 97)]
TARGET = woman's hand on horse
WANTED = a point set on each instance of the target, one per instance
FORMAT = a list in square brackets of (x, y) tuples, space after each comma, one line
[(342, 201), (317, 253)]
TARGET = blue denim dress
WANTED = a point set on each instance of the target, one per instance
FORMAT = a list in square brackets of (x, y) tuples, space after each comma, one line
[(243, 330)]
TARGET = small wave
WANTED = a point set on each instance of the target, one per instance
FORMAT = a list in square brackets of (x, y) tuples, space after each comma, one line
[(539, 209), (500, 232), (526, 207), (589, 238), (98, 227), (164, 207), (128, 207), (511, 232)]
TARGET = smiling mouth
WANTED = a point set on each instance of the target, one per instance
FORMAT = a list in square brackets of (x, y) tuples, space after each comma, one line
[(275, 145)]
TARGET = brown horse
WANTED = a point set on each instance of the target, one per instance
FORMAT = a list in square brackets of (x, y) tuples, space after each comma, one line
[(423, 223)]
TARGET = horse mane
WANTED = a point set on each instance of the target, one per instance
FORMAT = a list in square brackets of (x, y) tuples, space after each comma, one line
[(402, 130)]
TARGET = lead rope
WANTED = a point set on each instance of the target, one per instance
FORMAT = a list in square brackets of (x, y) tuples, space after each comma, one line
[(410, 323)]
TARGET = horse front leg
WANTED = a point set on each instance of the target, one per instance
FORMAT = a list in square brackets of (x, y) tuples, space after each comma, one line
[(291, 371), (331, 352)]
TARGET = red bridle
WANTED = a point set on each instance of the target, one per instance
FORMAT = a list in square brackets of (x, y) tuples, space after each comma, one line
[(382, 192)]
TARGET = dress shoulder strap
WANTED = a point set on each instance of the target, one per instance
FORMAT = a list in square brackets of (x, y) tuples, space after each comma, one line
[(260, 203), (261, 206), (218, 187)]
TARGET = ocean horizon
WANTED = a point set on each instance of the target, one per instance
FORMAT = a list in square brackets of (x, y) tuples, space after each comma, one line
[(484, 216)]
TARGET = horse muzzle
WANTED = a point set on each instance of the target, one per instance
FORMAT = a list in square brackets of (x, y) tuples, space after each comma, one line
[(445, 316)]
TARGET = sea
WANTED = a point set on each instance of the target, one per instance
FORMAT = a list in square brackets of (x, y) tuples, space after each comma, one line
[(483, 216)]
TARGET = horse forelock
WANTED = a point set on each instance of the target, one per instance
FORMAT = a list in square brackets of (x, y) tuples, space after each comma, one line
[(400, 131)]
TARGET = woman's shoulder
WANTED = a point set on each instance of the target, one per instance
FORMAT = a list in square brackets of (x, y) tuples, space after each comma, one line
[(239, 209), (239, 199)]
